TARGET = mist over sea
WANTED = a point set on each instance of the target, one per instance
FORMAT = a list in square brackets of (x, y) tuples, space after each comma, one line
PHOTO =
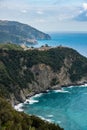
[(74, 40)]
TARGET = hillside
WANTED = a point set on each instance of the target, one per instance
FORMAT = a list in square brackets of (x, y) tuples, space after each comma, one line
[(10, 46), (15, 32), (13, 120), (24, 73)]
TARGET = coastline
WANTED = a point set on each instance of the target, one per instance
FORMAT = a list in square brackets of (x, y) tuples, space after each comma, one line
[(30, 100)]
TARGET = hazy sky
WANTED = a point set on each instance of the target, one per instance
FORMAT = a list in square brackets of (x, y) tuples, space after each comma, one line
[(47, 15)]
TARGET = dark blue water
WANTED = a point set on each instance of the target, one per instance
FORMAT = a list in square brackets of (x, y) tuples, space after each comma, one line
[(68, 107), (77, 41)]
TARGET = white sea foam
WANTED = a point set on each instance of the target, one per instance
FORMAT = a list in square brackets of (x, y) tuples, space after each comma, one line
[(61, 91), (71, 86), (42, 117), (37, 95), (19, 107), (46, 119), (49, 120), (84, 85), (47, 90), (49, 115), (31, 101)]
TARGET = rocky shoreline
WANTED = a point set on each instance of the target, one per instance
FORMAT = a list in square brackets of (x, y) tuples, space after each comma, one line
[(19, 106), (26, 73)]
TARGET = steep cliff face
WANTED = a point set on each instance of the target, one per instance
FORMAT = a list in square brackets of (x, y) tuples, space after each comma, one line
[(45, 79), (24, 73)]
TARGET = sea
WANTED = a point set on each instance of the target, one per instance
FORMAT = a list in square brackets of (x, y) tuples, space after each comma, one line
[(66, 107), (75, 40)]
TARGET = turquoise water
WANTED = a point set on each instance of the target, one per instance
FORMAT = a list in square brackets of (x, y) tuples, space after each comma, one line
[(67, 107), (77, 41)]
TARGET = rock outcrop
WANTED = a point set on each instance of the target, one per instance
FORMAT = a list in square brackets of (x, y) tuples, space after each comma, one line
[(25, 73)]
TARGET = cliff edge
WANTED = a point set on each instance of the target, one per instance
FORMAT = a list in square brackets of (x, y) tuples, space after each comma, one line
[(24, 73)]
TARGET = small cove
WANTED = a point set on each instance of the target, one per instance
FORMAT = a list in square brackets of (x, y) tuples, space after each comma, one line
[(67, 107)]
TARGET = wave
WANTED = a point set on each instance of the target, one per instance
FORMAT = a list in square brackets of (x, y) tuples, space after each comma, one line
[(84, 85), (61, 91), (19, 107), (42, 117), (46, 119), (30, 101), (37, 95), (71, 87), (49, 120), (47, 90)]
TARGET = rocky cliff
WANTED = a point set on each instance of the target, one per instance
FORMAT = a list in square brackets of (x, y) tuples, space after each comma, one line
[(24, 73)]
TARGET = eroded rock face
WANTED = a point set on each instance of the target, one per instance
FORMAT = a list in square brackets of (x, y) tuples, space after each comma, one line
[(43, 75), (25, 73), (43, 80)]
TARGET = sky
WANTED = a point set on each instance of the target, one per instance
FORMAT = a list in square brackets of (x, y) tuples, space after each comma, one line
[(47, 15)]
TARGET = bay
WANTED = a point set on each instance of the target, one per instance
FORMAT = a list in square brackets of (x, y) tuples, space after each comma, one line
[(67, 107)]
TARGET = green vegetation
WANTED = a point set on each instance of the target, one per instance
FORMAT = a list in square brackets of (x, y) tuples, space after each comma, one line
[(15, 32), (13, 120), (78, 69), (15, 66), (10, 46), (16, 74)]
